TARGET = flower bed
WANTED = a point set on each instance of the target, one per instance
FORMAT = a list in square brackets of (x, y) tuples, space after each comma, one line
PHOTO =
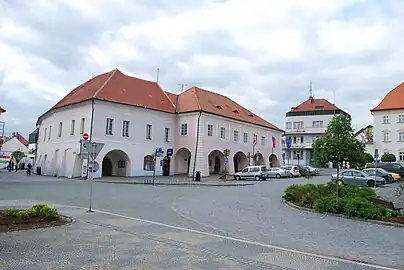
[(38, 216), (350, 201)]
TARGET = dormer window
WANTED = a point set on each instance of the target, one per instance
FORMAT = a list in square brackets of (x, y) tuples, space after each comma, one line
[(219, 107), (250, 115), (235, 111), (319, 107)]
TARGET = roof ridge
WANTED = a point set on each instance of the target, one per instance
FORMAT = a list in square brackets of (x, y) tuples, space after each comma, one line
[(166, 95), (197, 98), (105, 83)]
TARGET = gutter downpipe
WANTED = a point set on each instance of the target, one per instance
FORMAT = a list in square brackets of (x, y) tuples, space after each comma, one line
[(91, 131), (196, 145)]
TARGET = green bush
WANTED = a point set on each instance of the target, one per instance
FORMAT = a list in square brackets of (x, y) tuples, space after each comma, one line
[(10, 212), (38, 210), (356, 207), (331, 205)]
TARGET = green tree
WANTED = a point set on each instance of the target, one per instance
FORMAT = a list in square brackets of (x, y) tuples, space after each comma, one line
[(387, 157), (339, 144), (368, 158), (18, 155)]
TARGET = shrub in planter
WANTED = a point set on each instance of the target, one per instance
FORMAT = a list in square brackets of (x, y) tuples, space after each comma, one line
[(302, 195), (362, 208), (10, 212), (330, 205)]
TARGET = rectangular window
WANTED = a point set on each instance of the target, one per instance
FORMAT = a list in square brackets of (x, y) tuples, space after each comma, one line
[(245, 137), (386, 136), (210, 130), (317, 124), (297, 154), (401, 118), (301, 139), (72, 127), (82, 125), (125, 128), (235, 135), (149, 132), (294, 140), (44, 134), (109, 126), (184, 129), (263, 140), (401, 136), (167, 134), (401, 156), (60, 129), (298, 125), (386, 119), (288, 125), (50, 133), (223, 133)]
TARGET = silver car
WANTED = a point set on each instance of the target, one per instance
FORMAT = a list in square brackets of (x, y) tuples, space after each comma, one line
[(278, 173), (292, 170), (357, 178), (252, 172)]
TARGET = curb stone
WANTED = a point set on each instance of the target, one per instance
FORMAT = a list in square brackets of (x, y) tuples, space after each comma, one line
[(379, 222), (181, 184)]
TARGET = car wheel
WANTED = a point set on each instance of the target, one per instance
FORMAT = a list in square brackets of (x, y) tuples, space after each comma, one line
[(340, 182), (238, 178), (370, 183), (264, 179), (278, 176), (257, 178)]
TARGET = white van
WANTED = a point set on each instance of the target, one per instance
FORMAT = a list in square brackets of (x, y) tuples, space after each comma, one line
[(252, 172)]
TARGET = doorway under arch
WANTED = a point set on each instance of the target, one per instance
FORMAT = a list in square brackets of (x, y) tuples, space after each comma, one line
[(240, 161), (273, 161), (182, 160), (259, 159), (216, 162), (116, 163)]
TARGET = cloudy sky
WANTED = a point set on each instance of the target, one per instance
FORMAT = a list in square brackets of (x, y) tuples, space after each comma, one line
[(261, 53)]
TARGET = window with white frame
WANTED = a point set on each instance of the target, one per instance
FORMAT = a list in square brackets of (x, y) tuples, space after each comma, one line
[(148, 132), (386, 119), (109, 125), (288, 125), (82, 125), (167, 134), (44, 134), (386, 136), (72, 126), (401, 136), (245, 137), (263, 140), (298, 125), (401, 156), (235, 135), (210, 130), (223, 133), (317, 124), (401, 118), (125, 128), (297, 154), (184, 129), (50, 133), (60, 129)]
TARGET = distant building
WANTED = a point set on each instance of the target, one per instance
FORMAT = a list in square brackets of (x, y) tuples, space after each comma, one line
[(365, 135), (303, 125), (388, 123), (133, 117), (2, 126)]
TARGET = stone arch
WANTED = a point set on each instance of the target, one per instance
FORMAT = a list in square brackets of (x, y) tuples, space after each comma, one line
[(259, 159), (116, 163), (182, 161), (273, 161), (216, 162), (240, 161)]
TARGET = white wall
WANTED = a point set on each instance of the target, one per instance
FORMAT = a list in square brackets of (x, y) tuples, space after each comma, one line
[(13, 145)]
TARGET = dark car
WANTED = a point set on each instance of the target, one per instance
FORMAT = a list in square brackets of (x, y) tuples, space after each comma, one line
[(373, 172), (394, 167)]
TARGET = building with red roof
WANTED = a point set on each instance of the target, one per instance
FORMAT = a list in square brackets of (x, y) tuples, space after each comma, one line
[(133, 117)]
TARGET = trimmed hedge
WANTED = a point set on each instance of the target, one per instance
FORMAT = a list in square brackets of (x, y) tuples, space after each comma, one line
[(38, 210), (351, 201)]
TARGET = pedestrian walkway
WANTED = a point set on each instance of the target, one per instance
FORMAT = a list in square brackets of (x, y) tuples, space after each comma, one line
[(103, 240)]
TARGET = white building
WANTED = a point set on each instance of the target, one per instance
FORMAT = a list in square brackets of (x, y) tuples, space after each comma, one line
[(303, 125), (365, 135), (388, 123), (133, 117), (15, 142)]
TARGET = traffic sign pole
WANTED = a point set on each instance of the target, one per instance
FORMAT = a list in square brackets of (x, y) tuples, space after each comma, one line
[(93, 149)]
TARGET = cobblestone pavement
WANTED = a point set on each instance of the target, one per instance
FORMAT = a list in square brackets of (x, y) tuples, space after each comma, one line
[(104, 241)]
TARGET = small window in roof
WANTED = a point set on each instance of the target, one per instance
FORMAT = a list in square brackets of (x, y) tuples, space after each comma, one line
[(219, 107), (319, 107), (235, 111), (250, 115)]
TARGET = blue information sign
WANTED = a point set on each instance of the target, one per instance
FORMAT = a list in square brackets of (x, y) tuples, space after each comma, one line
[(170, 152)]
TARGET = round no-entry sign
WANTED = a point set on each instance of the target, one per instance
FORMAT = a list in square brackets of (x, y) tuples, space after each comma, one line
[(85, 136)]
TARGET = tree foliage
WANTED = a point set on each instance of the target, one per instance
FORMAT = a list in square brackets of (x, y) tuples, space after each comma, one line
[(339, 144), (388, 157), (18, 155), (368, 158)]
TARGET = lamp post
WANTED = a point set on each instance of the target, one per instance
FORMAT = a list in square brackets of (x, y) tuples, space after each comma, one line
[(226, 154)]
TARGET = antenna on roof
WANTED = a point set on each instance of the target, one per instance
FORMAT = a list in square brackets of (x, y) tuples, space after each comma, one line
[(182, 86), (334, 100), (311, 90), (157, 75)]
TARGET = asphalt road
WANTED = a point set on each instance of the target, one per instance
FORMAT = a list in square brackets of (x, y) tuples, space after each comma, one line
[(253, 213)]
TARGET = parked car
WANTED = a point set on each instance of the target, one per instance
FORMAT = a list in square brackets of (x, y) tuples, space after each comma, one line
[(394, 167), (311, 169), (278, 173), (252, 172), (292, 170), (357, 178), (378, 172)]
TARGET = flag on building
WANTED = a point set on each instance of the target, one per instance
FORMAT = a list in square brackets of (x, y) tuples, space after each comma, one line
[(273, 142), (255, 138)]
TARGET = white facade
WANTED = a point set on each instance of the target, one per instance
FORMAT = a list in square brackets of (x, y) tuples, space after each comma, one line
[(388, 132), (12, 145), (366, 136), (132, 133)]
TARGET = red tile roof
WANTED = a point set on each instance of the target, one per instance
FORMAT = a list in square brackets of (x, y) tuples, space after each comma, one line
[(117, 87), (393, 100), (22, 139), (2, 110), (314, 104)]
